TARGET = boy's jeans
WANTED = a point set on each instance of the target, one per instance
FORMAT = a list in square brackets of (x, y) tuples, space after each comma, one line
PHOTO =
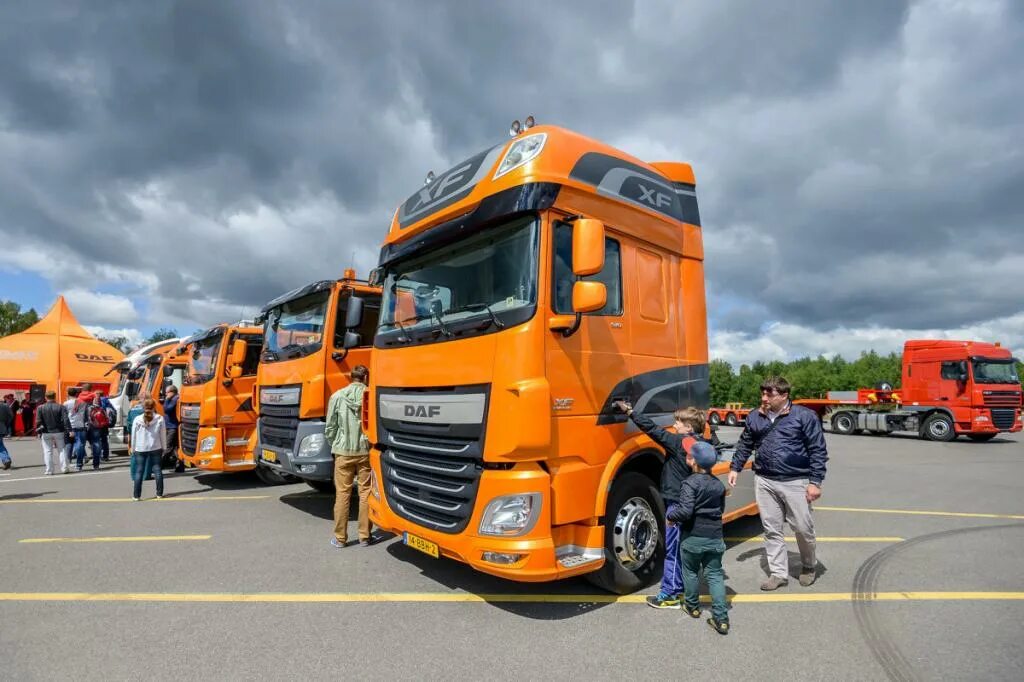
[(705, 553), (4, 455), (672, 577)]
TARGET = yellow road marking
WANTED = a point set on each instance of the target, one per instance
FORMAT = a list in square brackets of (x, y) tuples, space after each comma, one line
[(84, 500), (140, 538), (760, 538), (493, 598), (966, 515)]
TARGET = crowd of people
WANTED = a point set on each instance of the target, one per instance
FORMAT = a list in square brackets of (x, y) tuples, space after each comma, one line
[(789, 472)]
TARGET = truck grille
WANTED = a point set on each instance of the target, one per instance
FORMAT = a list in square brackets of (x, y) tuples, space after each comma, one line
[(1003, 418), (189, 432), (278, 425), (1002, 398), (431, 472)]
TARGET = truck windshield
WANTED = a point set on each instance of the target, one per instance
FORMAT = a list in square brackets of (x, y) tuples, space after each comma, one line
[(482, 284), (989, 372), (202, 360), (295, 328)]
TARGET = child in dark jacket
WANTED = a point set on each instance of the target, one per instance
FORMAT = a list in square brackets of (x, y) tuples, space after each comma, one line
[(688, 422), (699, 517)]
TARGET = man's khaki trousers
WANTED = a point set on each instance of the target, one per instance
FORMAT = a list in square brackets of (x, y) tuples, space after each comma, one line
[(346, 469)]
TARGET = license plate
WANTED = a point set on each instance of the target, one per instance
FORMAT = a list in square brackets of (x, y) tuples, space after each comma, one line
[(269, 456), (425, 546)]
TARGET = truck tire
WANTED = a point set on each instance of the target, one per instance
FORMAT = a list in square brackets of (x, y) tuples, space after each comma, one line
[(321, 486), (981, 437), (731, 419), (270, 477), (844, 423), (938, 427), (634, 536), (714, 419)]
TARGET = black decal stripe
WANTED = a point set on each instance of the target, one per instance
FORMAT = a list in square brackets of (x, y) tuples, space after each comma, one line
[(659, 392), (453, 185), (630, 183)]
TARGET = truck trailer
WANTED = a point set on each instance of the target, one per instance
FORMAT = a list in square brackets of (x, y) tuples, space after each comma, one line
[(524, 291), (948, 389)]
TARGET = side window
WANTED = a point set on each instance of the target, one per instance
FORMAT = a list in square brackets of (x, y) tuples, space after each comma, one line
[(252, 357), (563, 278), (368, 328), (950, 370)]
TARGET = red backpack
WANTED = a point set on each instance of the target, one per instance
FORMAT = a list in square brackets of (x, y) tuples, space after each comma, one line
[(98, 418)]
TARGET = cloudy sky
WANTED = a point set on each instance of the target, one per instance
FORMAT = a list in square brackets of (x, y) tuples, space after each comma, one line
[(860, 165)]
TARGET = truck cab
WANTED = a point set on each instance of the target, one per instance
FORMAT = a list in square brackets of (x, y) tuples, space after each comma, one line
[(524, 291), (132, 375), (215, 410), (304, 361)]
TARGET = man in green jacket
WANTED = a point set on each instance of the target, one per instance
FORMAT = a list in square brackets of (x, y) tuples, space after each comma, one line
[(351, 450)]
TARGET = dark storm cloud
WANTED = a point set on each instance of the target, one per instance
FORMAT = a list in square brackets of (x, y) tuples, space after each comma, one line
[(859, 163)]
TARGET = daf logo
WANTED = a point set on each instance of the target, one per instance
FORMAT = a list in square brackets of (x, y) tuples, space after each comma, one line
[(87, 357), (428, 411), (654, 197), (272, 397)]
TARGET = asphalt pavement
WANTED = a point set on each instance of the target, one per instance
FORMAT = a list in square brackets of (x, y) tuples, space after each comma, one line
[(921, 577)]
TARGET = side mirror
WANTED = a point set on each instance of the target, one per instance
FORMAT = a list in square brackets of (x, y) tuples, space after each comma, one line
[(235, 371), (354, 314), (963, 371), (587, 248), (168, 370), (588, 296), (376, 277), (238, 350), (352, 340), (131, 390)]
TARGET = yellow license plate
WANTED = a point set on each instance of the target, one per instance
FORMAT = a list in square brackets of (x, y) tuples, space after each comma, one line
[(269, 456), (425, 546)]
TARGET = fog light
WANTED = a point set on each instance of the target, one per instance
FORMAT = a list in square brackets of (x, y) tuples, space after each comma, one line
[(374, 490), (981, 418), (510, 515), (207, 444), (502, 557), (310, 445), (204, 462), (307, 468)]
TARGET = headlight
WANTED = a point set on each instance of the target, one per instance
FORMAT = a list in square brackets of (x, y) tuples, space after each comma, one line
[(207, 444), (522, 151), (510, 515), (311, 445)]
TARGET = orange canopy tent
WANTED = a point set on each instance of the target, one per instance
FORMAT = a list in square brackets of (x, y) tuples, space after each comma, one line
[(52, 355)]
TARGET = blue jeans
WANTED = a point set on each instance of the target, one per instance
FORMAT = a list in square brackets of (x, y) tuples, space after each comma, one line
[(672, 578), (144, 463), (81, 437), (705, 554), (4, 455)]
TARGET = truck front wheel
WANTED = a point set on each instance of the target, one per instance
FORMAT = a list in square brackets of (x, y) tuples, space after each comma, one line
[(731, 419), (634, 548), (844, 423), (938, 427), (714, 419)]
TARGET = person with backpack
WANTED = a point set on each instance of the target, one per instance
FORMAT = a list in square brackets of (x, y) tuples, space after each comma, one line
[(52, 419), (6, 429), (102, 423)]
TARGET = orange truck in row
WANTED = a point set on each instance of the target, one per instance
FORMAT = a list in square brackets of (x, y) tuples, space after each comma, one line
[(215, 406), (948, 389), (524, 291), (303, 362)]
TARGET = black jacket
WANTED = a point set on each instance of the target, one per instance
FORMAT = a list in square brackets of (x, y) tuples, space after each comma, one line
[(795, 448), (676, 469), (52, 418), (6, 420), (700, 508)]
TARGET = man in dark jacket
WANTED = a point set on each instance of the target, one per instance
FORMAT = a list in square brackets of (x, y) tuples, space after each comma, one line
[(788, 472), (53, 424), (171, 422), (6, 429)]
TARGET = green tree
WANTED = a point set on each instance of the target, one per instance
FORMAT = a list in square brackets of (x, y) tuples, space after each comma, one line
[(12, 320), (118, 342), (161, 334), (720, 377)]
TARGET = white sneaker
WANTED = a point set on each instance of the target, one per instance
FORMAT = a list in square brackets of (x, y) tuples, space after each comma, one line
[(136, 499)]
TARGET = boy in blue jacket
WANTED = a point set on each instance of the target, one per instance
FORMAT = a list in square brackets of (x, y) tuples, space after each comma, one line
[(688, 422)]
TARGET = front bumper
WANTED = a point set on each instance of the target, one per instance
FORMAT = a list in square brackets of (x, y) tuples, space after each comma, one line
[(545, 552), (228, 453), (319, 467)]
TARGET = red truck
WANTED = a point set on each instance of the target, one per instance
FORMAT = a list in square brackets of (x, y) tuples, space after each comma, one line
[(732, 414), (949, 388)]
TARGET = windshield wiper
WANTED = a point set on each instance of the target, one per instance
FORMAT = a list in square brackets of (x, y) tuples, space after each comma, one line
[(477, 307)]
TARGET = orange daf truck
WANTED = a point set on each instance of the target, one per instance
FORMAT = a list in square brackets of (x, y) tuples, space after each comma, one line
[(215, 407), (303, 362), (525, 290)]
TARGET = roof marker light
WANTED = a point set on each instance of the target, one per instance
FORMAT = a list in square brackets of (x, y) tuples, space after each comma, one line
[(529, 123), (515, 128), (429, 179)]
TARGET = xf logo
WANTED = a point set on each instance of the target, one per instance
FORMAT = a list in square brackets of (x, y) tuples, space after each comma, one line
[(431, 193), (654, 197)]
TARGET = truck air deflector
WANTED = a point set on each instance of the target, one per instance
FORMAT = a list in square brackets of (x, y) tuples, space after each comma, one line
[(659, 392), (453, 185), (432, 452), (625, 181)]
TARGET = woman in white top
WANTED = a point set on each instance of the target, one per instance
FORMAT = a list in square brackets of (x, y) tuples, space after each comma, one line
[(148, 442)]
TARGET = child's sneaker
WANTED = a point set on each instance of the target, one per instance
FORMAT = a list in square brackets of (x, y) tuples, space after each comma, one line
[(692, 613), (719, 626), (664, 601)]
